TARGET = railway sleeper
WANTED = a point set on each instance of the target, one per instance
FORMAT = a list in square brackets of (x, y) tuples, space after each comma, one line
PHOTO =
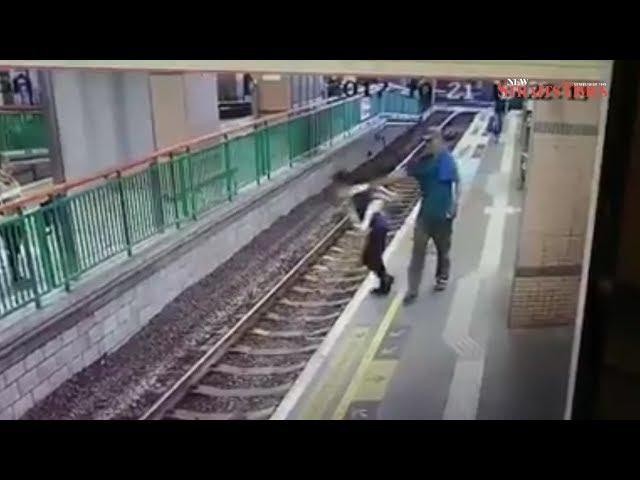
[(352, 278), (325, 268), (289, 333), (319, 289), (346, 259), (273, 351), (210, 391), (316, 304), (304, 318), (180, 414), (248, 371)]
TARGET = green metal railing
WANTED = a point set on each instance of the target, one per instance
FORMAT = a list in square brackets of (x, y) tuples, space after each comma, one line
[(22, 130), (53, 245), (395, 102)]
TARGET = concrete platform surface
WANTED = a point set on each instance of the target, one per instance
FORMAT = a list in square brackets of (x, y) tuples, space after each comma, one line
[(449, 355)]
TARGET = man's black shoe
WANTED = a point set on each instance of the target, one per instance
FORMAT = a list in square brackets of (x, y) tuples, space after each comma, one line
[(385, 286), (409, 298), (441, 284)]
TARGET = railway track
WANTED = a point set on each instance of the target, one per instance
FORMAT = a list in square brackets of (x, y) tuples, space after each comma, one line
[(248, 371)]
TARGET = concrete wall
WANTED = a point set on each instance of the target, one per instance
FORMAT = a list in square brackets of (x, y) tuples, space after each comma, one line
[(554, 220), (104, 119), (169, 109), (49, 346), (107, 119), (184, 106), (201, 92), (305, 88), (274, 93)]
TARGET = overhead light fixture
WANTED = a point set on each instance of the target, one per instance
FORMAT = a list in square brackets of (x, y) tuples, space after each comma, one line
[(271, 77)]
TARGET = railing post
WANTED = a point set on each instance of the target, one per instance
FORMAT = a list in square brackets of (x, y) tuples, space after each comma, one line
[(330, 110), (267, 150), (290, 139), (3, 133), (181, 165), (315, 131), (192, 188), (156, 195), (45, 254), (66, 240), (29, 257), (257, 152), (310, 133), (60, 243), (174, 188), (227, 166), (123, 212)]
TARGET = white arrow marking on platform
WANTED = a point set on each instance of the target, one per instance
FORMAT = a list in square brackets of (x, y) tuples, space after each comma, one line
[(359, 413), (464, 391)]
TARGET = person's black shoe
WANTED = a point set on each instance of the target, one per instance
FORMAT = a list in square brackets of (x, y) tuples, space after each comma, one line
[(409, 298), (385, 286), (388, 282), (441, 284)]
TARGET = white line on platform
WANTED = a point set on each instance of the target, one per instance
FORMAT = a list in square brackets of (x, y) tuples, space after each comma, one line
[(461, 315), (323, 353), (464, 391), (464, 394)]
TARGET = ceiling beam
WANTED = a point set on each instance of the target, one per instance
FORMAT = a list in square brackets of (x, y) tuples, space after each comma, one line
[(532, 69)]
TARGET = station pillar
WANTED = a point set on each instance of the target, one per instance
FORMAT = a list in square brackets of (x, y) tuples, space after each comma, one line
[(559, 181), (274, 93), (305, 89), (281, 92), (107, 119), (183, 106), (103, 118)]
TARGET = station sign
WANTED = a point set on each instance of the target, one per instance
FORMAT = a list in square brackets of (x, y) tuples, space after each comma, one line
[(464, 92)]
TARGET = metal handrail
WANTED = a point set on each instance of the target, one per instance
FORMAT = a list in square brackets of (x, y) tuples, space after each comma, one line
[(162, 154), (62, 239), (17, 109)]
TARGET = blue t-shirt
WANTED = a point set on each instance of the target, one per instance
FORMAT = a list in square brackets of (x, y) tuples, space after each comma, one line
[(435, 174)]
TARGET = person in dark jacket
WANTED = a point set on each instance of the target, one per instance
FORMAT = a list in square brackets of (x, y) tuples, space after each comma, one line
[(500, 107), (365, 207), (12, 232)]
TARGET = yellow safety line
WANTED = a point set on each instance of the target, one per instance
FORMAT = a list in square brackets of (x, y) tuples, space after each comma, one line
[(327, 392), (377, 379), (368, 357)]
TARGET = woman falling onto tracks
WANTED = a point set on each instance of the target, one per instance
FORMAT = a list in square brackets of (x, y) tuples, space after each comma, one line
[(365, 204)]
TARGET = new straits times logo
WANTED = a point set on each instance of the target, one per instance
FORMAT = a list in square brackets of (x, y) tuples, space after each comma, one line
[(522, 88)]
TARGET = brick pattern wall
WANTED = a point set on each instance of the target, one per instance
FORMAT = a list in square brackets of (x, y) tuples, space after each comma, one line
[(537, 301), (104, 330), (551, 247), (561, 128)]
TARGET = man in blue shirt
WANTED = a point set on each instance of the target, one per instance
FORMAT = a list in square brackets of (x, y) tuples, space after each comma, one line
[(437, 174)]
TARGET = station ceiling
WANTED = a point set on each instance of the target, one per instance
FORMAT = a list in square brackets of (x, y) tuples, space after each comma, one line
[(532, 69)]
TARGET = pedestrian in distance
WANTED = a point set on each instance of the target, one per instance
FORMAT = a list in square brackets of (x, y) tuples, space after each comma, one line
[(365, 206), (499, 110), (12, 232)]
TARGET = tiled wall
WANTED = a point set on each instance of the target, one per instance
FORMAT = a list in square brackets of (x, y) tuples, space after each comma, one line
[(556, 209)]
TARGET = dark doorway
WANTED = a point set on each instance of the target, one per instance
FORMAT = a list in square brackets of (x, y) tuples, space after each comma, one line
[(608, 375)]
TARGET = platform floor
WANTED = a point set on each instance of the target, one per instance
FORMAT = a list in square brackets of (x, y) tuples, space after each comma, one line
[(450, 355)]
